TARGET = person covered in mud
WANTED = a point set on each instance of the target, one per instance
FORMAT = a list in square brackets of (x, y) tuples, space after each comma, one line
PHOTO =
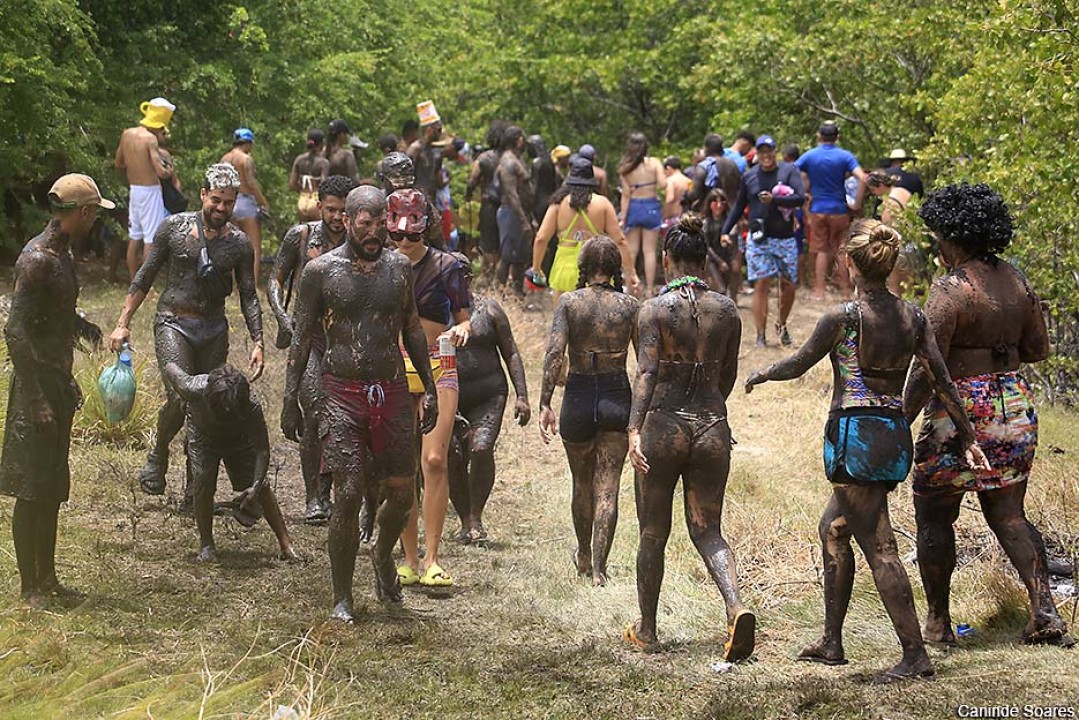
[(867, 443), (302, 243), (595, 325), (398, 173), (42, 327), (366, 423), (444, 304), (426, 151), (201, 252), (987, 320), (482, 402), (545, 178), (226, 425), (309, 169), (482, 176), (686, 367), (516, 223)]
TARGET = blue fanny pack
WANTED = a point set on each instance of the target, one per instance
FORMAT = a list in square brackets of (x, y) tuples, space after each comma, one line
[(867, 446)]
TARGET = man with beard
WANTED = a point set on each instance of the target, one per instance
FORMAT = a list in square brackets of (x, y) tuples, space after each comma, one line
[(302, 243), (516, 224), (41, 329), (483, 177), (366, 422), (202, 252)]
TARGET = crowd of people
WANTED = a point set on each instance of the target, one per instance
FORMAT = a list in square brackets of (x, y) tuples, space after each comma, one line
[(395, 384)]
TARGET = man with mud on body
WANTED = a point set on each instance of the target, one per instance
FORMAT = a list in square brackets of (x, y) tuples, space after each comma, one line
[(482, 176), (687, 364), (516, 224), (595, 324), (201, 252), (426, 152), (41, 329), (363, 293), (482, 402), (302, 243)]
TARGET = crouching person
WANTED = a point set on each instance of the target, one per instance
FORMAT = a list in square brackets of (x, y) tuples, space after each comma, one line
[(226, 425)]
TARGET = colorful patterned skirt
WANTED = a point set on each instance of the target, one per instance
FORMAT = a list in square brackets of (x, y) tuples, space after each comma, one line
[(1001, 408)]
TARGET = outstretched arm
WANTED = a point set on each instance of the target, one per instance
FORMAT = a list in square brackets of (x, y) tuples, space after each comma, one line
[(820, 343), (156, 257), (189, 387)]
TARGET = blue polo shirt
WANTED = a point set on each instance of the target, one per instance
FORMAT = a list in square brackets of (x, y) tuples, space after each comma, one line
[(827, 166), (736, 157)]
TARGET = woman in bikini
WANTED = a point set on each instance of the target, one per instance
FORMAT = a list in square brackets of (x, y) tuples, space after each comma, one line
[(987, 321), (576, 213), (595, 323), (868, 450), (686, 366), (893, 201), (309, 169), (643, 181), (444, 304)]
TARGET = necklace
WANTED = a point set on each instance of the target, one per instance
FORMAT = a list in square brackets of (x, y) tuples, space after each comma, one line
[(691, 280)]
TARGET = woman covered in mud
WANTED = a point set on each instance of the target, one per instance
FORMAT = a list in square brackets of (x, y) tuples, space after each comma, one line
[(987, 321), (596, 324), (687, 364), (867, 443), (444, 304)]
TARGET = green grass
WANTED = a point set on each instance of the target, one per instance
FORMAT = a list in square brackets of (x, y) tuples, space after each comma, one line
[(519, 637)]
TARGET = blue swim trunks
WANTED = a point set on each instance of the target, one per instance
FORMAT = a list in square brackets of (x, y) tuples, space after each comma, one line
[(644, 213), (772, 257)]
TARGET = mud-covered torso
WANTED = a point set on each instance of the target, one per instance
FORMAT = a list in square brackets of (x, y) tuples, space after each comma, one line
[(51, 323), (479, 363), (362, 313), (693, 351), (599, 323), (185, 294)]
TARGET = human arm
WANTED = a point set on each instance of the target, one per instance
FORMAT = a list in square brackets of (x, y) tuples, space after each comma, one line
[(552, 368), (156, 257), (547, 231), (188, 387), (661, 177), (119, 161), (288, 259), (859, 197), (795, 199), (644, 385), (352, 171), (1034, 343), (415, 342), (162, 171), (474, 174), (253, 182), (734, 214), (32, 290), (511, 176), (941, 316), (249, 306), (623, 183), (294, 176), (260, 441), (729, 369), (507, 347), (305, 317), (825, 335)]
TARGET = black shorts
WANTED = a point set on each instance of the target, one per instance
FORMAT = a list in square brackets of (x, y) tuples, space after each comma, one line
[(34, 465), (489, 227), (594, 403)]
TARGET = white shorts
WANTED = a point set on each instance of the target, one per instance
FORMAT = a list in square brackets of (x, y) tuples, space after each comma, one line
[(145, 212)]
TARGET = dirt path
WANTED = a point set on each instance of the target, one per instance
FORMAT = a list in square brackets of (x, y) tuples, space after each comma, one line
[(520, 636)]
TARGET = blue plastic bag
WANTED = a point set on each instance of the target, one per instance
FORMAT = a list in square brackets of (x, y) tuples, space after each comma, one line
[(117, 386)]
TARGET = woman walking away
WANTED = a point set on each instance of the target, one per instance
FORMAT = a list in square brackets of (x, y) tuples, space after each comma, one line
[(642, 179), (309, 169), (686, 367), (595, 323), (987, 321), (577, 212), (867, 444)]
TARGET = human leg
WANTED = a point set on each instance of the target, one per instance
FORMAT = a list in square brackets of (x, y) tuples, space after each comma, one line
[(486, 425), (1004, 512), (24, 531), (935, 516), (819, 239), (762, 288), (866, 511), (316, 487), (276, 520), (134, 256), (633, 240), (608, 456), (170, 346), (648, 243), (343, 539), (835, 537), (582, 467), (252, 227)]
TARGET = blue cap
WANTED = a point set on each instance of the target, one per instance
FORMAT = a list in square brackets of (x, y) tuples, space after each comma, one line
[(243, 135), (767, 140)]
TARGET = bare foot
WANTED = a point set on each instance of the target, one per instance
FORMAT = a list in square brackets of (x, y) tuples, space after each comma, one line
[(342, 612), (207, 554), (913, 665), (367, 522), (824, 652), (387, 582), (583, 563), (938, 631), (37, 601), (1046, 629), (599, 578), (477, 535), (289, 555)]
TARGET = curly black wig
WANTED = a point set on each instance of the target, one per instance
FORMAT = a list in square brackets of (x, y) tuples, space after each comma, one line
[(971, 216)]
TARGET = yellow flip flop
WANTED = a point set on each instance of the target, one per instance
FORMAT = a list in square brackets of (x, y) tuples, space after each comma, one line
[(740, 637), (407, 575), (436, 577)]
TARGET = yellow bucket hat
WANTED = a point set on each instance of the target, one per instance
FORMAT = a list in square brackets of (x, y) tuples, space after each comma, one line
[(156, 113)]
